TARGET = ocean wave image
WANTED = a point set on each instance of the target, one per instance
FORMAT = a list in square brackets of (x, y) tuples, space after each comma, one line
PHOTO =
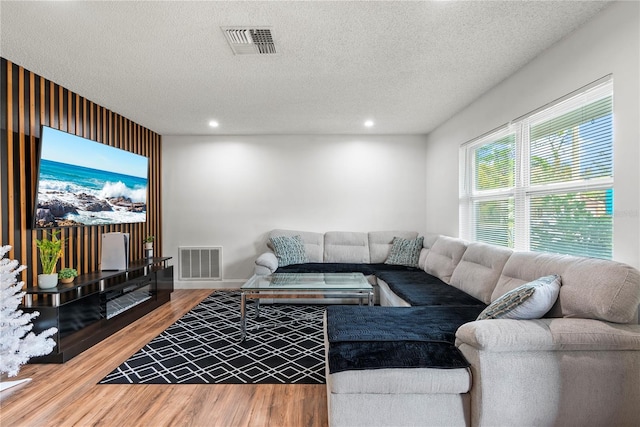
[(75, 195), (84, 182)]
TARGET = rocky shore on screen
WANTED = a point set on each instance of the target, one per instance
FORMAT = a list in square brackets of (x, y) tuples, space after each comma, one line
[(61, 210)]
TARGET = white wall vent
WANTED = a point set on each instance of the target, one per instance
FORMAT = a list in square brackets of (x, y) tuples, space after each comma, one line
[(200, 263), (247, 41)]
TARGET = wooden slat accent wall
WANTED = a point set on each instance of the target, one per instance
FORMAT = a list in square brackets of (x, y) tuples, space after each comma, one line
[(28, 101)]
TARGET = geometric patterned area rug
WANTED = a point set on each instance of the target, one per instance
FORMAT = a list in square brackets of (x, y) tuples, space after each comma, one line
[(285, 345)]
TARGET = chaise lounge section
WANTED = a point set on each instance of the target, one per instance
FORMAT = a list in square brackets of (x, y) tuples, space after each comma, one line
[(579, 364)]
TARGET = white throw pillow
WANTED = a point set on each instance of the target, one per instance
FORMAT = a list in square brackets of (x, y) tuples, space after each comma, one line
[(529, 301)]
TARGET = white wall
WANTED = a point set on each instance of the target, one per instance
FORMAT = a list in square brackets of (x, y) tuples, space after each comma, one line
[(230, 191), (609, 44)]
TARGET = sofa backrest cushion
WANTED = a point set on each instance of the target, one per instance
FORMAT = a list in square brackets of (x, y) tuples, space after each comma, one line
[(600, 289), (380, 243), (346, 246), (444, 256), (313, 242), (427, 243), (590, 288), (479, 269)]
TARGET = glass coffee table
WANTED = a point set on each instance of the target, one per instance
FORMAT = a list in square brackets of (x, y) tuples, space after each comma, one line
[(286, 285)]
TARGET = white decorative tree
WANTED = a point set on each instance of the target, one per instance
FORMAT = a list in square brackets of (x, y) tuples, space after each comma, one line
[(17, 343)]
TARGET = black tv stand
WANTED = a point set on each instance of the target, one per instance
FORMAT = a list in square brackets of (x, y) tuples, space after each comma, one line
[(98, 304)]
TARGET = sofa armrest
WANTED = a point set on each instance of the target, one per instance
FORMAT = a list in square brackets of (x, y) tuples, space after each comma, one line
[(266, 263), (552, 334), (552, 372)]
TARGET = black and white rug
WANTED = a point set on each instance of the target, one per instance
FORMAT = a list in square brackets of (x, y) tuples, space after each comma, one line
[(283, 346)]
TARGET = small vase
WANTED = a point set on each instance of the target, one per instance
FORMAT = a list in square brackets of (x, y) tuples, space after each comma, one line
[(148, 250), (67, 280), (47, 281)]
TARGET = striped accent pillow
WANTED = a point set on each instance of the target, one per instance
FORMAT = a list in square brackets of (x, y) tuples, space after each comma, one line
[(289, 250), (529, 301), (405, 251)]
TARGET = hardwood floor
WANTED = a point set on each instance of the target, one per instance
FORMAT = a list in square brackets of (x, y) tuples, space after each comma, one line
[(69, 394)]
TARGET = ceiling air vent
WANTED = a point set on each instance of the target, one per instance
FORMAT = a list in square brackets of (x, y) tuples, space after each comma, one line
[(246, 41)]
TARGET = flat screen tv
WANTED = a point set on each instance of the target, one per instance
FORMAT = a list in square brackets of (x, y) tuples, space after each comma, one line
[(83, 182)]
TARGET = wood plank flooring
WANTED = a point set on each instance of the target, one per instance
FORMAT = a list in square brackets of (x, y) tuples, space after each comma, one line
[(69, 394)]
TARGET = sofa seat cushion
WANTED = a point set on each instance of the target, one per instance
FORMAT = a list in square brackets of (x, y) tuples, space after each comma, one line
[(361, 355), (401, 381), (340, 267), (348, 323), (420, 288), (362, 337)]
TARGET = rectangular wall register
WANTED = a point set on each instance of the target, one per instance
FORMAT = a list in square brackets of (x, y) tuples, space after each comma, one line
[(98, 304), (200, 263)]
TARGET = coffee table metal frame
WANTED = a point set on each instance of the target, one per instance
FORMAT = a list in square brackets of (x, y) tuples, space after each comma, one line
[(283, 285)]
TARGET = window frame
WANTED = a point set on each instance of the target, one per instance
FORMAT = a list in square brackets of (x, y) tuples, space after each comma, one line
[(522, 190)]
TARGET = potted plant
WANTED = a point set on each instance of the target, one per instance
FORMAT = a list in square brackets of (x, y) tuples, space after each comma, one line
[(50, 253), (66, 275), (148, 242), (148, 247)]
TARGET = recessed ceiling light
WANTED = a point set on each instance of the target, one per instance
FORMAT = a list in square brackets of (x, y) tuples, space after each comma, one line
[(214, 124), (368, 123)]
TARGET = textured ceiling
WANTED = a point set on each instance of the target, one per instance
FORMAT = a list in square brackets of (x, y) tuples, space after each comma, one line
[(166, 65)]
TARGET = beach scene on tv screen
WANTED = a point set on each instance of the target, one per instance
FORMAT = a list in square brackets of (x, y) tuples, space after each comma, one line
[(83, 182)]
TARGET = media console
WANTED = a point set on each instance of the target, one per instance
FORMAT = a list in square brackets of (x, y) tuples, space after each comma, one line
[(96, 305)]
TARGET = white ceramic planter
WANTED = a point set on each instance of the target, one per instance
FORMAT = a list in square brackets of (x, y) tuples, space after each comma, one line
[(47, 281), (148, 250)]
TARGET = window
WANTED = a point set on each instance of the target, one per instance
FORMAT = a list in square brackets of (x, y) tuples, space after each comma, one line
[(545, 181)]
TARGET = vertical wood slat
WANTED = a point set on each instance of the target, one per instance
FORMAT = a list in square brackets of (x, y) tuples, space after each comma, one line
[(3, 146), (29, 101), (10, 170), (68, 233), (22, 164), (44, 119), (62, 122), (85, 236)]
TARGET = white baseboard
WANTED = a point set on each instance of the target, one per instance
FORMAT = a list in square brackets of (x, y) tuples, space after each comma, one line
[(205, 284), (4, 385)]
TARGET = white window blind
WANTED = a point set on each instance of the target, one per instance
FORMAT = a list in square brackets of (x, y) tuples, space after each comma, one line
[(545, 181)]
